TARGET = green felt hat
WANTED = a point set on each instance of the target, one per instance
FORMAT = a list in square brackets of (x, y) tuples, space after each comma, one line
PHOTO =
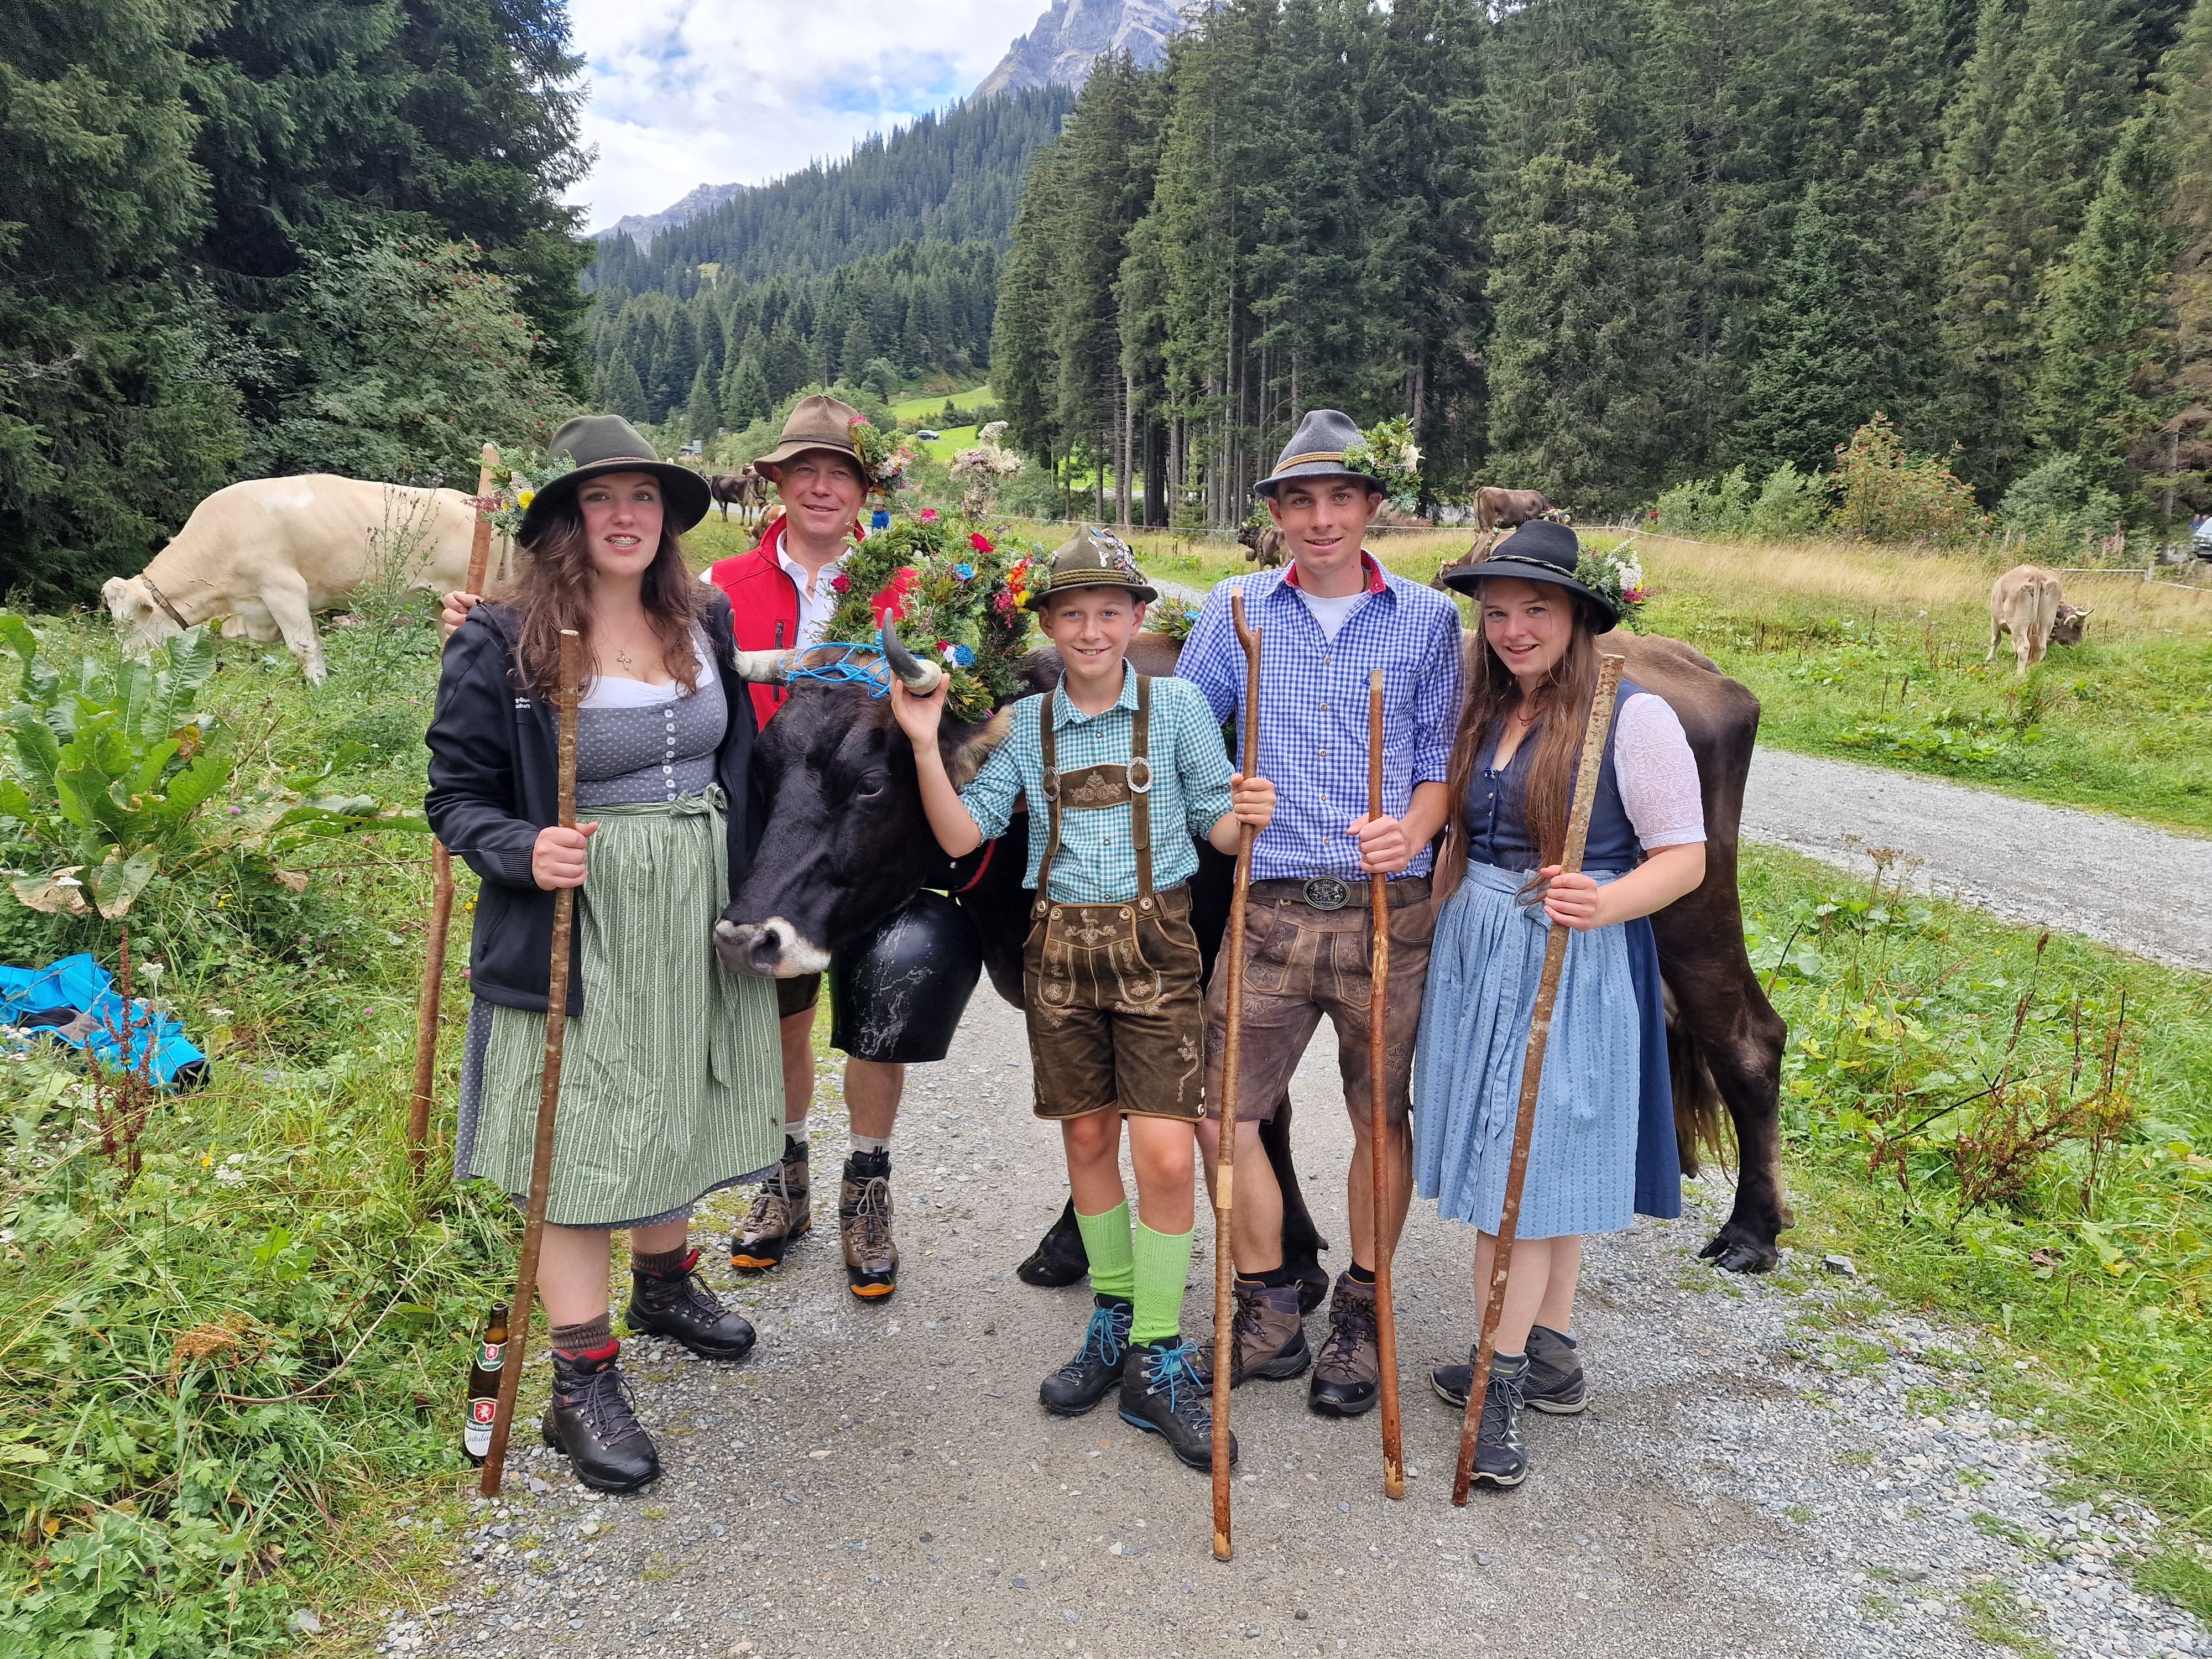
[(1091, 558)]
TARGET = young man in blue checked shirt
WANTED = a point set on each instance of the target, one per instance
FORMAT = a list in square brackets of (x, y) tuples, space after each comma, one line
[(1123, 771), (1328, 619)]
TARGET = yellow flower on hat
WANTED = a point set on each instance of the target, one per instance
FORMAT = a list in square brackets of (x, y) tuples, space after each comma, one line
[(524, 500)]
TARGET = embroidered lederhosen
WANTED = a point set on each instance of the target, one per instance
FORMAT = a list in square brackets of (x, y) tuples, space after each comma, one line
[(1111, 990)]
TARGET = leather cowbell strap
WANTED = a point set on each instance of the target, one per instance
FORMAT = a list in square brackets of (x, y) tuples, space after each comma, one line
[(1088, 788)]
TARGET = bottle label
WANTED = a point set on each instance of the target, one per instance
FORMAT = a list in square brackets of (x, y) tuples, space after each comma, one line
[(476, 1438), (490, 1356)]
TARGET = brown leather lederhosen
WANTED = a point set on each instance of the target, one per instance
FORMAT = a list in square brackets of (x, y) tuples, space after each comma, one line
[(1111, 990)]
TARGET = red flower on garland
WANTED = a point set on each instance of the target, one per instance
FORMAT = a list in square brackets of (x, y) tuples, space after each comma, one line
[(840, 583), (927, 515), (976, 540), (891, 602)]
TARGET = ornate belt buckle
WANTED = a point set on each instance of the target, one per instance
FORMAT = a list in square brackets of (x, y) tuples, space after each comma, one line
[(1141, 775), (1050, 783), (1328, 893)]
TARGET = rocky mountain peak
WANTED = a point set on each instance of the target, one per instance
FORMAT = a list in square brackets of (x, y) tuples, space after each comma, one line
[(1073, 34)]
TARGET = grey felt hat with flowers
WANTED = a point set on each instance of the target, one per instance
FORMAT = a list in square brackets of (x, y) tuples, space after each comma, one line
[(1316, 450), (1091, 558)]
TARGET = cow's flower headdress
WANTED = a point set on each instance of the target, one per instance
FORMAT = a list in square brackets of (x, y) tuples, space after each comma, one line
[(950, 591), (1614, 573)]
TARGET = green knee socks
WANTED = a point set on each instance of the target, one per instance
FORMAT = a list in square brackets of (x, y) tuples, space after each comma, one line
[(1148, 1271), (1106, 1240), (1162, 1263)]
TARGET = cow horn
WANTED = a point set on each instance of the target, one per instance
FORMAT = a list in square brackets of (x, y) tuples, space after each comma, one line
[(921, 678), (764, 667)]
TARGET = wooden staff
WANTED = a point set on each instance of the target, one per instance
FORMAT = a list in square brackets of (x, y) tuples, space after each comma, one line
[(441, 881), (1532, 1068), (1378, 1114), (1225, 1293), (549, 1088)]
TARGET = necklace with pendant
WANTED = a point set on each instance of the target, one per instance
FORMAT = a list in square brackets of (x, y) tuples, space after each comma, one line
[(626, 660)]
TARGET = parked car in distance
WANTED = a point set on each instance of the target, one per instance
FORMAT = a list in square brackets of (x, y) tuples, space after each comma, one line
[(927, 435)]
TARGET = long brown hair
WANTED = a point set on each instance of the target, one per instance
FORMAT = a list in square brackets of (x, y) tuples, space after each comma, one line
[(1562, 707), (553, 591)]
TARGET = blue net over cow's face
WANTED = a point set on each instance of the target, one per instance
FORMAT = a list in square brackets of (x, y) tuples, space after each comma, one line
[(847, 841)]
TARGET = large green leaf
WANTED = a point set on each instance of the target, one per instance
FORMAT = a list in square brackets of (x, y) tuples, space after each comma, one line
[(40, 683), (208, 773), (116, 885), (35, 744)]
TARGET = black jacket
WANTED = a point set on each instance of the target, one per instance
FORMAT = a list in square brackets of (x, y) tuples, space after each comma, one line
[(495, 783)]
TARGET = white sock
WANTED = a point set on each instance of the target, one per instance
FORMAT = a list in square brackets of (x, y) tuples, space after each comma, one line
[(797, 1132), (871, 1144)]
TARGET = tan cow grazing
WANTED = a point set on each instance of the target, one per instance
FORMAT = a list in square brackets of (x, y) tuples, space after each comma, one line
[(1501, 509), (2029, 602), (271, 552)]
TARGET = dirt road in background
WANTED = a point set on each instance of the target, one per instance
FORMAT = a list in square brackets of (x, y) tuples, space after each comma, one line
[(2124, 884), (1749, 1481)]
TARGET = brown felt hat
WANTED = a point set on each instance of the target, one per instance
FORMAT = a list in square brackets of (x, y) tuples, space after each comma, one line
[(818, 421), (600, 444)]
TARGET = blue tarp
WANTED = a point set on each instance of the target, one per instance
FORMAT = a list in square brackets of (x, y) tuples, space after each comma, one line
[(72, 1000)]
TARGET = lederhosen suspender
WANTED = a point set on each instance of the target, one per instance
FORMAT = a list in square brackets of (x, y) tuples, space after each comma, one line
[(1088, 788)]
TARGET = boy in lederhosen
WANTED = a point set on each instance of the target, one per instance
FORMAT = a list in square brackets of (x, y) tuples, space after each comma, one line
[(1125, 769)]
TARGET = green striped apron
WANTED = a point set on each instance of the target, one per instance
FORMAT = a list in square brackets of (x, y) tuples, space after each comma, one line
[(671, 1079)]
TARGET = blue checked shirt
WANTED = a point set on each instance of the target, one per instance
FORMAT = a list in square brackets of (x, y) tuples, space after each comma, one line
[(1098, 860), (1313, 708)]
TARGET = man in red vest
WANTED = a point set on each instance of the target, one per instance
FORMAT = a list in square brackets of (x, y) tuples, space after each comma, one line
[(781, 598)]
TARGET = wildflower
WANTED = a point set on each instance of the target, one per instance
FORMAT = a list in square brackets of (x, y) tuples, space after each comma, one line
[(965, 572), (976, 539)]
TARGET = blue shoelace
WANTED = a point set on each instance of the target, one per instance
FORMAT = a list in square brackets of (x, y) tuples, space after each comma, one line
[(1103, 1337), (1172, 1372)]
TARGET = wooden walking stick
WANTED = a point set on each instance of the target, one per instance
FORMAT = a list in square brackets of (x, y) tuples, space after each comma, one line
[(1532, 1068), (549, 1088), (441, 880), (1225, 1295), (1378, 1114)]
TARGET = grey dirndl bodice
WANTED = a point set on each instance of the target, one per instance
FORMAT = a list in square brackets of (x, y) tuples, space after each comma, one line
[(649, 751)]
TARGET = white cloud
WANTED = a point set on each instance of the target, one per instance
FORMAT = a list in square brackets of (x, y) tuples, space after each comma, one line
[(691, 92)]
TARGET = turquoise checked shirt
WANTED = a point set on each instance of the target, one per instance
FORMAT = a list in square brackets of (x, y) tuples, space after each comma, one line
[(1098, 862)]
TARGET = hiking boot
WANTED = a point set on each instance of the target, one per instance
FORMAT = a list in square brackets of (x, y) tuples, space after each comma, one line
[(1500, 1458), (1082, 1383), (592, 1419), (864, 1219), (779, 1215), (1555, 1384), (1267, 1337), (679, 1305), (1347, 1378), (1162, 1394)]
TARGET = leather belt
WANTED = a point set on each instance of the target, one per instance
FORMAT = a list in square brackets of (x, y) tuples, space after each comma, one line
[(1334, 892)]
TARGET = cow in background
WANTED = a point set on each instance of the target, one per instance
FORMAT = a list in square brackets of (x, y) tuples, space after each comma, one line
[(2029, 603), (1263, 545), (1502, 509), (744, 489), (268, 553)]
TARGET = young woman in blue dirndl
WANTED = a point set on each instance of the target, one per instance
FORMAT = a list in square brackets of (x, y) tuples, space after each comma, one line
[(1603, 1147)]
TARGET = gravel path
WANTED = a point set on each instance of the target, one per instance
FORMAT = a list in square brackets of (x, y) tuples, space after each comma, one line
[(1771, 1467), (2128, 884)]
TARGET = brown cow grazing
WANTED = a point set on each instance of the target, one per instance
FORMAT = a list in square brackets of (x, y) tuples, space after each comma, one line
[(2029, 604), (738, 489), (1501, 509)]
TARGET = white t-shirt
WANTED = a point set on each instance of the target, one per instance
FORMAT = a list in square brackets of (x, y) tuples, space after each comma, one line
[(1331, 613)]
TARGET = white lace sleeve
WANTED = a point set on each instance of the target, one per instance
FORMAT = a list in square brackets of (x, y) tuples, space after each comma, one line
[(1658, 774)]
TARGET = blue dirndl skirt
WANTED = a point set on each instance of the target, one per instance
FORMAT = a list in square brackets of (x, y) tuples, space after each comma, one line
[(1603, 1148)]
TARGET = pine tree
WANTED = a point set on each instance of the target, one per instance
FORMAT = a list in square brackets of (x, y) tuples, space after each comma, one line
[(2181, 379), (621, 391), (2045, 92), (745, 395), (1816, 378), (2100, 350), (702, 419)]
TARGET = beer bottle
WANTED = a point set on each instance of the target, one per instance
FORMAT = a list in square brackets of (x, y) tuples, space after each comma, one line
[(483, 1385)]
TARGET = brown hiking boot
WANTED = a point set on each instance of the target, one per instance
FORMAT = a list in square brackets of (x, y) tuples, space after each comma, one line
[(1348, 1376), (864, 1219), (1267, 1337), (779, 1215)]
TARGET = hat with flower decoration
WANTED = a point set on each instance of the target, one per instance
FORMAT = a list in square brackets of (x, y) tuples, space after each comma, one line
[(604, 444), (1091, 558)]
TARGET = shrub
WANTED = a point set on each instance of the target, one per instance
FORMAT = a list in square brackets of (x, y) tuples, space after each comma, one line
[(2056, 507), (1888, 496), (1708, 506), (1791, 504)]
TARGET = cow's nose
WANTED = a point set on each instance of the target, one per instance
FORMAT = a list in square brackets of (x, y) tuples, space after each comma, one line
[(766, 949)]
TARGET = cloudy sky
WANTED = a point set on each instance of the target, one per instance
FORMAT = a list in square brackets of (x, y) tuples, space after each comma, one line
[(691, 92)]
